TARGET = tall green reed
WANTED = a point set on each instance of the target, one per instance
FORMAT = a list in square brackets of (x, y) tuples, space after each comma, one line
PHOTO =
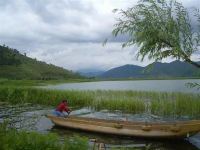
[(161, 103)]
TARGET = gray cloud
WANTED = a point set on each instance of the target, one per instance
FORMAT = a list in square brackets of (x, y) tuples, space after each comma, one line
[(68, 33), (63, 21), (54, 12), (90, 55)]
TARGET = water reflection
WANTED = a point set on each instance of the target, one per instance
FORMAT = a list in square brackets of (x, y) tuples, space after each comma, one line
[(32, 117)]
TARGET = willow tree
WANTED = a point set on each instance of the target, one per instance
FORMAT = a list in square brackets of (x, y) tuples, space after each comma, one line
[(161, 29)]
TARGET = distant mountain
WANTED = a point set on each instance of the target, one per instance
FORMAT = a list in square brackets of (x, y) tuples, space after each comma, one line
[(173, 69), (154, 70), (14, 65), (125, 71), (90, 72)]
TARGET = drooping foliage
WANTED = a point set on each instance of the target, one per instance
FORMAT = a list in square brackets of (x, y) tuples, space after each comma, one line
[(161, 29)]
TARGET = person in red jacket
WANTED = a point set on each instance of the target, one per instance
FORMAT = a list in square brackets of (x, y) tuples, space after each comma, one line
[(62, 108)]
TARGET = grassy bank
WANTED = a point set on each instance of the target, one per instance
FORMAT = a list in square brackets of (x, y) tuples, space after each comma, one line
[(159, 103), (6, 82), (11, 139)]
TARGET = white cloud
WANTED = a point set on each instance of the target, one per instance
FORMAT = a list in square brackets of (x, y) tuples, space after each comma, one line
[(90, 55), (68, 33)]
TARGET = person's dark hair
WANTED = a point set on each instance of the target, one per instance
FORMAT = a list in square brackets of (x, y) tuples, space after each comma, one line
[(64, 101)]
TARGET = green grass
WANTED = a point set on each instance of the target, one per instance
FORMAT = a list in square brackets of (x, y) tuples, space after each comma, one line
[(7, 82), (160, 103), (11, 139), (177, 104)]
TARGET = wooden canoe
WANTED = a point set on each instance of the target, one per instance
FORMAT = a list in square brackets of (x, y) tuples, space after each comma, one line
[(179, 130)]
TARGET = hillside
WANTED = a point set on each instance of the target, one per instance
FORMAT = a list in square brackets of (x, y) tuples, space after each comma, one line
[(154, 70), (14, 65), (125, 71)]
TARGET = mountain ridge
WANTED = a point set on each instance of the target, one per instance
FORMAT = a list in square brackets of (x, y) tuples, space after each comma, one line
[(153, 70)]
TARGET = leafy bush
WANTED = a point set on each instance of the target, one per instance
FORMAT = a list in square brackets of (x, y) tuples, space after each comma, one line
[(11, 139)]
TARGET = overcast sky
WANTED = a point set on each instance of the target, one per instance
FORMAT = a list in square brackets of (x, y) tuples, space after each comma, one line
[(68, 33)]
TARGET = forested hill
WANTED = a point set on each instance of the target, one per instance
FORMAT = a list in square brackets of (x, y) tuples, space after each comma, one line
[(14, 65), (154, 70)]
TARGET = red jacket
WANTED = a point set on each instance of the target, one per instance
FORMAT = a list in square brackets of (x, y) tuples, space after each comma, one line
[(62, 107)]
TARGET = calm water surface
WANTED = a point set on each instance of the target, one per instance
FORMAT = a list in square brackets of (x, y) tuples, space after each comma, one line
[(33, 118), (141, 85)]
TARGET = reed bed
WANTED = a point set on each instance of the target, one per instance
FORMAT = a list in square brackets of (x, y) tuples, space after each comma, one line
[(157, 103)]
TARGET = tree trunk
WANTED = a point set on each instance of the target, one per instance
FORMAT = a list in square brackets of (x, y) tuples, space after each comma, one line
[(193, 63)]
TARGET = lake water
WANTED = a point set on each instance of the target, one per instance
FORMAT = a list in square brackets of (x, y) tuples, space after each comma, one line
[(32, 117), (141, 85)]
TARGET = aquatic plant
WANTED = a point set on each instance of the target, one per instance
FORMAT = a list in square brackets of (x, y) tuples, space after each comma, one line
[(159, 103)]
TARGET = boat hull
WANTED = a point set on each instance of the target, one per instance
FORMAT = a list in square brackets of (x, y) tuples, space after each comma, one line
[(126, 128)]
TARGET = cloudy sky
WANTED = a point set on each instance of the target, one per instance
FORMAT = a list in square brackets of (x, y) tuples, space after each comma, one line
[(68, 33)]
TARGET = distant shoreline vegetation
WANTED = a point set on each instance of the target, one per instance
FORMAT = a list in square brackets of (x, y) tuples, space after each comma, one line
[(152, 78), (8, 82)]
